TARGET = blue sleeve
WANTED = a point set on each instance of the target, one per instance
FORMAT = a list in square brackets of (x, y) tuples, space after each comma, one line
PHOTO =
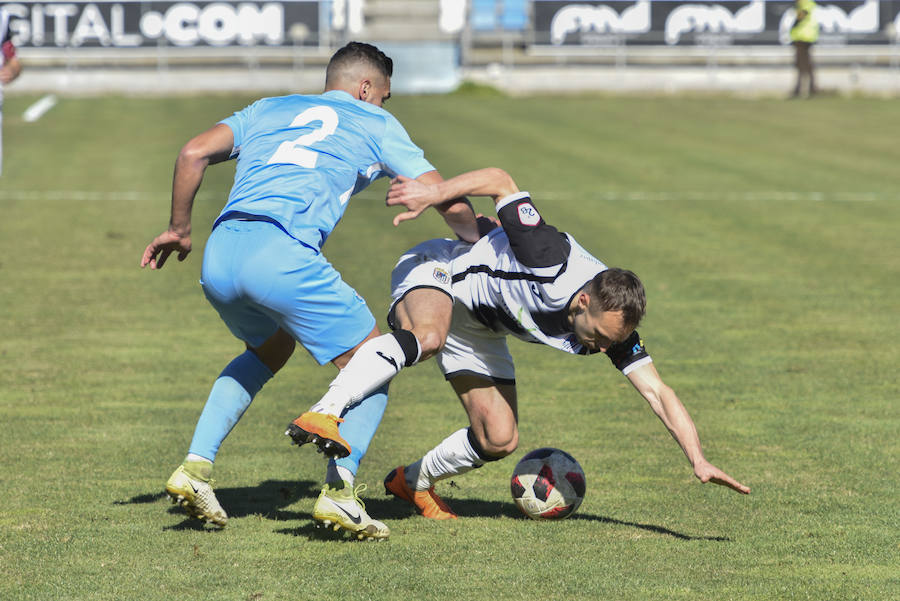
[(238, 123), (399, 155)]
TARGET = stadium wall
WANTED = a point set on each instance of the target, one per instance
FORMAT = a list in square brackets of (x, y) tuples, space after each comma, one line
[(145, 47)]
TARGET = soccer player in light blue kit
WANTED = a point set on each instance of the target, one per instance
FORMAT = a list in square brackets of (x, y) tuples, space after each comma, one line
[(299, 160)]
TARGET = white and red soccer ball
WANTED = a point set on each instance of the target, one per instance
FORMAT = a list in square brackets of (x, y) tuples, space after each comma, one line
[(547, 484)]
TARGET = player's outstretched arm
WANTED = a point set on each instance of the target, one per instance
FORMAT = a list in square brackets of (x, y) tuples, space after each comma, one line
[(667, 406), (457, 212), (212, 146), (417, 195)]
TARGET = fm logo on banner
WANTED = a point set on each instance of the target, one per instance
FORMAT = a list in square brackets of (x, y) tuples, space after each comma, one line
[(715, 18), (584, 18)]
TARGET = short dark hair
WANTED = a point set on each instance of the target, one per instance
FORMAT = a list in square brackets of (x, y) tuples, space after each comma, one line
[(617, 289), (359, 52)]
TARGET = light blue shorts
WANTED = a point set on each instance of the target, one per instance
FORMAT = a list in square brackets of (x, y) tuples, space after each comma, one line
[(260, 279)]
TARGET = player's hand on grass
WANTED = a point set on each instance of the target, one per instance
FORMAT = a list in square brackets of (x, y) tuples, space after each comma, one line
[(157, 252), (707, 472), (412, 194)]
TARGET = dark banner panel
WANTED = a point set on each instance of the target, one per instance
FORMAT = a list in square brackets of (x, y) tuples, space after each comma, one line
[(593, 23), (131, 24)]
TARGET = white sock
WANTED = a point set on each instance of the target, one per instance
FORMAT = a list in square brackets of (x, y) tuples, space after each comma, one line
[(452, 457), (376, 362), (336, 473), (193, 457)]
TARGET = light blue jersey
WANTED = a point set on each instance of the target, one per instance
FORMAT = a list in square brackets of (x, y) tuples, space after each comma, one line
[(300, 158)]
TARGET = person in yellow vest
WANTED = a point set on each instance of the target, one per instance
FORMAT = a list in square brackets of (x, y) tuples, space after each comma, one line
[(804, 33)]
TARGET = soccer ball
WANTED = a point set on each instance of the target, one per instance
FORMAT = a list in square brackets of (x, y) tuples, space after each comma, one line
[(547, 484)]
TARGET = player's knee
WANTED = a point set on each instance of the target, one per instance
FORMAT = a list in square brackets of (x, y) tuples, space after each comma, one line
[(507, 445), (276, 351), (499, 450), (431, 342), (494, 445)]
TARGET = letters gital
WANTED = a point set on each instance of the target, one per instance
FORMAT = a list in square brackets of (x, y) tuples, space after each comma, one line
[(131, 24)]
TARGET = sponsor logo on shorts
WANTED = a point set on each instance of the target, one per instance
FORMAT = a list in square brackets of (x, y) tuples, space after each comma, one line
[(528, 215), (441, 275)]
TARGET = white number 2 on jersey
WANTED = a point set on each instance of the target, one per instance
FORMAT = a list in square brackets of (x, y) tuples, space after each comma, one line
[(295, 151)]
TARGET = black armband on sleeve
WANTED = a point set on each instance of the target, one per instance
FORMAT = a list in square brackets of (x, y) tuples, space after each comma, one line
[(625, 353), (532, 240)]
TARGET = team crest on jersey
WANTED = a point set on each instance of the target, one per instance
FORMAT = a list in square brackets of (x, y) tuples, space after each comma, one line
[(528, 215), (441, 275)]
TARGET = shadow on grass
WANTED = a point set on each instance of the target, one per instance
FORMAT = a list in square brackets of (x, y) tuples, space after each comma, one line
[(270, 497), (266, 499), (648, 527), (144, 498), (315, 532), (473, 508)]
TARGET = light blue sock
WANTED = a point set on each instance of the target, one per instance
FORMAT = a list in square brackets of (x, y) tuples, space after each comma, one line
[(230, 396), (360, 423)]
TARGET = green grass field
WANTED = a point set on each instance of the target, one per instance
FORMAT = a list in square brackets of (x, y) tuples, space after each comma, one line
[(765, 231)]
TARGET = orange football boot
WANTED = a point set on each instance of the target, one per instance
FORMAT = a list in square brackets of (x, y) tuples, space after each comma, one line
[(426, 502), (320, 429)]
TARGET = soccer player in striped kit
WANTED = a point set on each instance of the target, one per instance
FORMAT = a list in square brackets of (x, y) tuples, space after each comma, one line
[(460, 301)]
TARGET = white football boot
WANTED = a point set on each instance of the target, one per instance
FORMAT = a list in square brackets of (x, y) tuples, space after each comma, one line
[(195, 494), (339, 507)]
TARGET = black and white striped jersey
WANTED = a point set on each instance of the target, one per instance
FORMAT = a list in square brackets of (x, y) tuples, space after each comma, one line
[(521, 278)]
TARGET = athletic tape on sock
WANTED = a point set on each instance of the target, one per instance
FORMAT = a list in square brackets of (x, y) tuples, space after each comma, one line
[(409, 344), (479, 450)]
